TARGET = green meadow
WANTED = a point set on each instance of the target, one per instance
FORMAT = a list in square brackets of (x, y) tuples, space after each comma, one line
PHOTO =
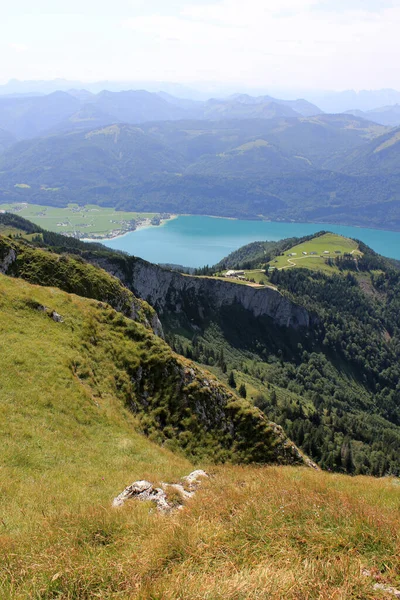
[(314, 253), (88, 221)]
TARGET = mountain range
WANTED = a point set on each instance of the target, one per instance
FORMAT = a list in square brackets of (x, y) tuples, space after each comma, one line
[(328, 101), (332, 168), (29, 116), (386, 115)]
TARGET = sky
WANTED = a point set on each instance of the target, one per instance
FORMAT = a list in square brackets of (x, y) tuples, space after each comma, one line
[(304, 44)]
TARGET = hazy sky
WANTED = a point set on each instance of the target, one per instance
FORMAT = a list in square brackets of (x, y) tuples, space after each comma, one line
[(325, 44)]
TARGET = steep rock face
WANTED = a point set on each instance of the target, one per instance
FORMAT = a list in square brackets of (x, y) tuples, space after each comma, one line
[(7, 257), (173, 292)]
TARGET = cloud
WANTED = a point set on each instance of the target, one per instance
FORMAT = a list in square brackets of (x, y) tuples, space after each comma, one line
[(332, 44), (235, 12), (306, 42)]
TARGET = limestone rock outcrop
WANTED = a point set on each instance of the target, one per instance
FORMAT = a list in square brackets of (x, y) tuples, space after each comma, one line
[(161, 496), (167, 290), (171, 292)]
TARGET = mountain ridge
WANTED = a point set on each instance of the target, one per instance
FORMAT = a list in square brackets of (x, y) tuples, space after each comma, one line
[(285, 169), (309, 375), (164, 404)]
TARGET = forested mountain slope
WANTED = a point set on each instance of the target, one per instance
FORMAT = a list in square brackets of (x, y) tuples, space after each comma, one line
[(334, 387), (335, 394), (381, 156), (254, 168), (6, 140), (78, 160)]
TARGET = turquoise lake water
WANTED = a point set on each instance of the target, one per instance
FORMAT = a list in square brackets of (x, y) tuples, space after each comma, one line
[(197, 241)]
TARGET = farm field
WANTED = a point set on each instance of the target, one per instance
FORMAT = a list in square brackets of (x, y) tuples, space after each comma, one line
[(258, 275), (89, 221), (313, 254)]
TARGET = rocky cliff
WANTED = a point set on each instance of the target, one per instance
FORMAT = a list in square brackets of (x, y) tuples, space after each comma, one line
[(198, 297)]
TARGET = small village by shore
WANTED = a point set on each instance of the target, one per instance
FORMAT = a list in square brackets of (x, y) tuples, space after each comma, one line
[(87, 222), (125, 227)]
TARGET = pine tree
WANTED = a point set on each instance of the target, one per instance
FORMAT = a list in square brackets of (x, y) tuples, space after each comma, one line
[(221, 361), (231, 380)]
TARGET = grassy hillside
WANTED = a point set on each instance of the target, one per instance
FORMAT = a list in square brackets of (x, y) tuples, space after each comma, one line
[(335, 395), (175, 403), (319, 253), (70, 274), (281, 533), (62, 412), (76, 398), (249, 533), (77, 395), (254, 255)]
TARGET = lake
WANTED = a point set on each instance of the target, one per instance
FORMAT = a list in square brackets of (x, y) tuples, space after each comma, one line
[(196, 241)]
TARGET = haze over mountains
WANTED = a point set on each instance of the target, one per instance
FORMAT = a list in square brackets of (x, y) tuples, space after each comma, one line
[(29, 116), (243, 156), (386, 115), (26, 115), (328, 101)]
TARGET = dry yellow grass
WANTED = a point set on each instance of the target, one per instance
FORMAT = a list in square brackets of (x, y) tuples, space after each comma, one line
[(272, 532)]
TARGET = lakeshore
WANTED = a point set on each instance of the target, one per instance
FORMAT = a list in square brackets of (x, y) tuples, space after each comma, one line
[(89, 222), (195, 241)]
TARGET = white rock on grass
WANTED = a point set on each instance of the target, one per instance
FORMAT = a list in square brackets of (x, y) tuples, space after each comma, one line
[(56, 317), (194, 478), (145, 491)]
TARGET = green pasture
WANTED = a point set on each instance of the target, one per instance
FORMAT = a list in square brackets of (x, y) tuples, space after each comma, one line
[(257, 275), (329, 245), (89, 220)]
